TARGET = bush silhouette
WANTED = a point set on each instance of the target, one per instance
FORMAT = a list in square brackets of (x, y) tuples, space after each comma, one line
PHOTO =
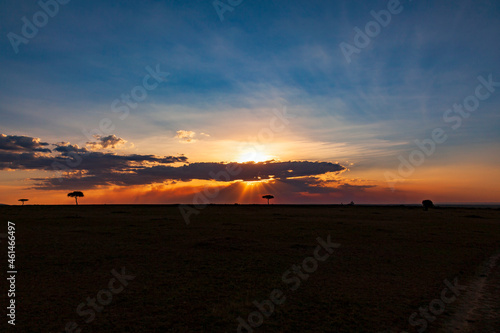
[(427, 204)]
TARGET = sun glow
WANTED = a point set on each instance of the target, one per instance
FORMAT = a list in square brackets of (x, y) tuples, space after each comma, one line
[(253, 155), (257, 182)]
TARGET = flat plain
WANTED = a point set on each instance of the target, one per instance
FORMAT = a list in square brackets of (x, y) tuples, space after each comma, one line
[(201, 277)]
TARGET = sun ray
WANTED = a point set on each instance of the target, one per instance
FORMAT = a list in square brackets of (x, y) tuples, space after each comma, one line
[(252, 191)]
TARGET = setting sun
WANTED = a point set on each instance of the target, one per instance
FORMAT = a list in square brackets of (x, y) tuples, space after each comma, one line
[(254, 155)]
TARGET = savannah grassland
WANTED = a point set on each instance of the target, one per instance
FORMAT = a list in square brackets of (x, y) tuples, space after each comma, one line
[(202, 276)]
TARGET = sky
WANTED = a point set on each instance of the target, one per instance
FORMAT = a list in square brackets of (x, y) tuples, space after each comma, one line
[(224, 101)]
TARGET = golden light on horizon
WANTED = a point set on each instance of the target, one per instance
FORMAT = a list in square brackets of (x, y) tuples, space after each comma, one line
[(257, 182), (254, 189), (253, 183)]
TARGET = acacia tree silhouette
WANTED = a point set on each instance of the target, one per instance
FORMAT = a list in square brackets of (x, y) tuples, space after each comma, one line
[(76, 195), (268, 197), (23, 200)]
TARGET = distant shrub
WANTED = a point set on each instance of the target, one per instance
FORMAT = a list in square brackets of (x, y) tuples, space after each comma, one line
[(427, 204)]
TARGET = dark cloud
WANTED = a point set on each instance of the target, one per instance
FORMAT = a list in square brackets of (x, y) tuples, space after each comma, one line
[(283, 170), (104, 163), (122, 174), (103, 142), (309, 184), (26, 161), (25, 153), (241, 171), (22, 143), (350, 187), (65, 148), (317, 185), (94, 162)]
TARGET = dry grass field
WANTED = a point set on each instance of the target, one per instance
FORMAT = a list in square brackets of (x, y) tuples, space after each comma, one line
[(201, 277)]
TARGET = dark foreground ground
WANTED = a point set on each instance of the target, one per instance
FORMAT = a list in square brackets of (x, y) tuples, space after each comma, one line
[(203, 276)]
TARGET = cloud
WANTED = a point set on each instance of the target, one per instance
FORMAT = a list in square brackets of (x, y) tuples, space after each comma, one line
[(25, 161), (104, 142), (102, 163), (124, 174), (97, 162), (308, 184), (24, 153), (65, 148), (22, 143), (86, 169), (317, 185), (186, 136), (249, 171)]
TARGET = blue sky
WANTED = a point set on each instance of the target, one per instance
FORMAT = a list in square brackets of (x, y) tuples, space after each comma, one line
[(225, 77)]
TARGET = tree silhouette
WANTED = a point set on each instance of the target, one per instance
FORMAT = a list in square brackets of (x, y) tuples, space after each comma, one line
[(23, 200), (268, 197), (427, 204), (75, 195)]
